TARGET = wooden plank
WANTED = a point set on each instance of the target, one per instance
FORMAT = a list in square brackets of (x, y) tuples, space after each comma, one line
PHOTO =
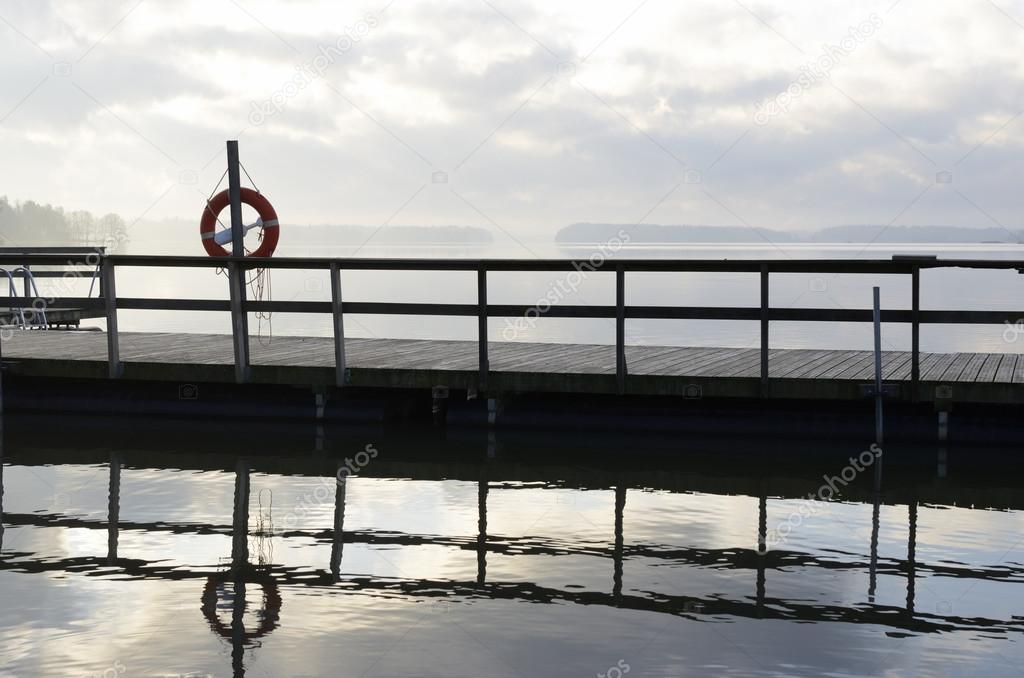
[(1004, 375), (842, 361), (957, 366), (939, 367), (987, 373), (973, 368), (795, 361), (657, 364)]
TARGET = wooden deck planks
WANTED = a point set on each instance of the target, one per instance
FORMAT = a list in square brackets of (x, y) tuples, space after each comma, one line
[(517, 357)]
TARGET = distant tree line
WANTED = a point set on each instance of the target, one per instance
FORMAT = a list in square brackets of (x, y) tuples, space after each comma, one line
[(29, 223)]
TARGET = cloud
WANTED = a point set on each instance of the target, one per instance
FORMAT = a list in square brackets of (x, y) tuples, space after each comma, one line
[(541, 115)]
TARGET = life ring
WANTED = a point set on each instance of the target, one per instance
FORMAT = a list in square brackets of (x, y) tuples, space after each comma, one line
[(270, 226)]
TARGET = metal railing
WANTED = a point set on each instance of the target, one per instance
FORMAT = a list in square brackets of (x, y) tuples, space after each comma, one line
[(239, 307)]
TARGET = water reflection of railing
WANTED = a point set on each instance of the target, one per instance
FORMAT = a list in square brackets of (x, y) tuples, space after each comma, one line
[(235, 584)]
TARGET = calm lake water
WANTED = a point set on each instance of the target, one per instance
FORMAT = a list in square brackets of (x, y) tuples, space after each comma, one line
[(125, 553)]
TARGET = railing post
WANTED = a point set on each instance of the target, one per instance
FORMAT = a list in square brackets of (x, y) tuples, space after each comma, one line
[(877, 316), (3, 331), (481, 291), (114, 367), (764, 330), (620, 329), (915, 331), (339, 326)]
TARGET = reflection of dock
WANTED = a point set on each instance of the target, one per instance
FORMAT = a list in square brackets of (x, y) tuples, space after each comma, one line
[(693, 605), (230, 594)]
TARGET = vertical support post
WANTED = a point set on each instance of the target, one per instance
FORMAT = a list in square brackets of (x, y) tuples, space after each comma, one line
[(113, 507), (235, 197), (236, 272), (240, 518), (764, 330), (339, 326), (620, 329), (877, 315), (3, 333), (915, 331), (481, 292), (114, 367), (1, 483), (239, 321)]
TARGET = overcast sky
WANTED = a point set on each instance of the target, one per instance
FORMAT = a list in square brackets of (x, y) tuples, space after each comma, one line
[(522, 116)]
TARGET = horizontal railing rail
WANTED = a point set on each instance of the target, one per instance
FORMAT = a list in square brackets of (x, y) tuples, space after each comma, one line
[(238, 306)]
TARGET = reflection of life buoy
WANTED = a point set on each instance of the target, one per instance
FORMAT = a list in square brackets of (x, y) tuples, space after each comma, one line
[(268, 616), (269, 225)]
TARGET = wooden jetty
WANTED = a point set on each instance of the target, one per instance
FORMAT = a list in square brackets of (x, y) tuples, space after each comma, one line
[(519, 367), (488, 369)]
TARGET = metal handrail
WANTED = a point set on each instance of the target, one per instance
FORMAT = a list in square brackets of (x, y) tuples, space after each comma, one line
[(32, 289), (12, 292)]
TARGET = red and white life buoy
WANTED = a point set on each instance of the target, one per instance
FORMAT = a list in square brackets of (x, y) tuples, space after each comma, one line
[(268, 223)]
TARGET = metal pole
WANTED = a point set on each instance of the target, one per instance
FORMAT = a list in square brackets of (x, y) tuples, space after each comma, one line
[(915, 331), (878, 365), (481, 290), (237, 273), (620, 329), (764, 330)]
